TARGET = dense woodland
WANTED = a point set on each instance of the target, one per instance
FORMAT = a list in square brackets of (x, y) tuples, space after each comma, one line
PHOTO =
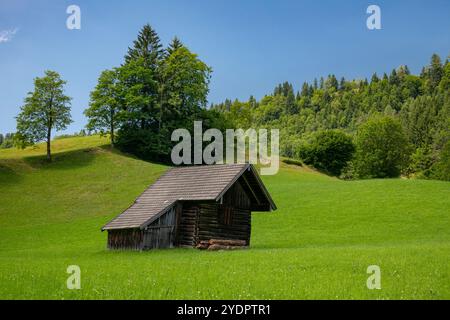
[(390, 125), (418, 106)]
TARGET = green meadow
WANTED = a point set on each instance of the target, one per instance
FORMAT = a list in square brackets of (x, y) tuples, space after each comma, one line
[(317, 245)]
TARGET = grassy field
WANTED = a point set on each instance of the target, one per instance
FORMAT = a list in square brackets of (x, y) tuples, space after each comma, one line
[(317, 245)]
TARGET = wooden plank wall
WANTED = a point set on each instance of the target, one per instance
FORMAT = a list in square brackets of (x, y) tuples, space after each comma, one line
[(190, 222), (210, 225), (200, 221), (187, 226), (161, 233), (237, 197), (130, 239)]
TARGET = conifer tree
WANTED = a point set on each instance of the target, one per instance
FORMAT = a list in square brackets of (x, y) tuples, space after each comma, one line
[(147, 46), (435, 71), (174, 45)]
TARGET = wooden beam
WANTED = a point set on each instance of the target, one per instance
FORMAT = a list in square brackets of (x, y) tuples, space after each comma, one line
[(251, 189)]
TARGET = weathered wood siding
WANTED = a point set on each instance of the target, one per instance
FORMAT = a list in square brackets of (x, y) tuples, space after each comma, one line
[(210, 225), (161, 233), (237, 197), (130, 239), (187, 225), (230, 219)]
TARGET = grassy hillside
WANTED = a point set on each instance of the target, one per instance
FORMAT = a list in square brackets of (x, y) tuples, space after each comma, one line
[(318, 244)]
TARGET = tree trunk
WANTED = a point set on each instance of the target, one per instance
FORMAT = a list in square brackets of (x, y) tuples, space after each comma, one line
[(49, 153), (111, 133)]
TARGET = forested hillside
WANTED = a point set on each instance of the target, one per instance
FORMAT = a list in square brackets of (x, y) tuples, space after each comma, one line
[(419, 103), (392, 125)]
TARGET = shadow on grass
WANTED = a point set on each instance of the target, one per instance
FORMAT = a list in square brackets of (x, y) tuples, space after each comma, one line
[(107, 147), (8, 175), (11, 170), (64, 160)]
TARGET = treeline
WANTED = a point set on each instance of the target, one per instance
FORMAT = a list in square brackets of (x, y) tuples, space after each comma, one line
[(391, 125), (7, 140), (413, 108)]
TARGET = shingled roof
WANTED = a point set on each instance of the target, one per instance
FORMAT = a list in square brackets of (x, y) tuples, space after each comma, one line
[(207, 182)]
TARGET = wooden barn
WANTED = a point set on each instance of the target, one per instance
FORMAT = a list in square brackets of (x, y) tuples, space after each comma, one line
[(191, 206)]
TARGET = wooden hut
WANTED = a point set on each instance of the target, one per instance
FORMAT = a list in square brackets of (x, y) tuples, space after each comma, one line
[(189, 206)]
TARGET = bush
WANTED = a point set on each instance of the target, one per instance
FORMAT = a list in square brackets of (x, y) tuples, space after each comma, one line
[(382, 149), (348, 172), (328, 151), (293, 162), (421, 163)]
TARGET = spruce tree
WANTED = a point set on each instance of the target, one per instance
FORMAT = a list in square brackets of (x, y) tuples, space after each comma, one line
[(342, 84), (315, 86), (174, 45), (305, 90), (374, 78), (147, 46), (435, 71)]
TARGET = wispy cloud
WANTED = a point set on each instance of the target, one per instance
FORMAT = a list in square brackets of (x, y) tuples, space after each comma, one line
[(7, 35)]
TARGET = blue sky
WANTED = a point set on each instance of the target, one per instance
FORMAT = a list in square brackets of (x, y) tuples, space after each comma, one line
[(251, 45)]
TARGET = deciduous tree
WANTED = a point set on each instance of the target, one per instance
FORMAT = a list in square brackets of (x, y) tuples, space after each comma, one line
[(46, 108), (106, 105)]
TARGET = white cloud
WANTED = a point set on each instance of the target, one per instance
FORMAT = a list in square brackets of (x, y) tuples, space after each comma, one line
[(7, 35)]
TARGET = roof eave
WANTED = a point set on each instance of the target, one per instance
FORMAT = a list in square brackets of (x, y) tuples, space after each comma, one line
[(236, 177), (248, 166), (263, 188)]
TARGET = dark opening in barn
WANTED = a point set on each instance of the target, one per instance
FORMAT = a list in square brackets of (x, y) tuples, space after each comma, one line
[(190, 206)]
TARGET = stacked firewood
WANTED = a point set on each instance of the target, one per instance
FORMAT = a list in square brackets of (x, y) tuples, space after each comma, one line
[(220, 244)]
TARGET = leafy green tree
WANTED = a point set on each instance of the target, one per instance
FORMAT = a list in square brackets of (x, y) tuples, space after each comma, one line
[(1, 139), (328, 150), (185, 88), (445, 81), (138, 133), (419, 117), (139, 92), (421, 103), (441, 170), (106, 105), (382, 149), (161, 90), (46, 108)]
